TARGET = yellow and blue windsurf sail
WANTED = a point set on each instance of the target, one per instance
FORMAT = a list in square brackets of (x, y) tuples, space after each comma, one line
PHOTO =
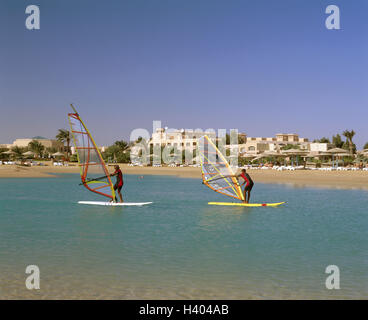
[(216, 171), (94, 174)]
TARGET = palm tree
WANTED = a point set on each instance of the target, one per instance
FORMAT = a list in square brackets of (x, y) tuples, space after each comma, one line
[(18, 152), (349, 137), (119, 151), (123, 145), (324, 140), (64, 136), (51, 150), (337, 141), (2, 156), (37, 147)]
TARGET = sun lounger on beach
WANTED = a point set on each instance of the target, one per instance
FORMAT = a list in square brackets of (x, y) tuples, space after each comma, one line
[(327, 169)]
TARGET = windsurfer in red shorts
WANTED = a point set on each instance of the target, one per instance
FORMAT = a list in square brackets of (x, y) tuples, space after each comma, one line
[(248, 184), (119, 182)]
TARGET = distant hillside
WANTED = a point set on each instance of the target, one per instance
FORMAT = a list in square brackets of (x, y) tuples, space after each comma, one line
[(39, 138)]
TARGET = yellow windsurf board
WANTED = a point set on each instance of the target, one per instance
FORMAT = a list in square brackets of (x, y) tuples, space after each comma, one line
[(246, 204)]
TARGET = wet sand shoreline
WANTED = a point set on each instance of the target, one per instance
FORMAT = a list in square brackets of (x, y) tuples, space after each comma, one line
[(328, 179)]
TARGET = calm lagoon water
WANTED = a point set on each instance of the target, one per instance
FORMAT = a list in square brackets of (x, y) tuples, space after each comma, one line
[(180, 247)]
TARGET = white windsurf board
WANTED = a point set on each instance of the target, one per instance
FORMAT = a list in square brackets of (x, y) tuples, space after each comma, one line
[(114, 204)]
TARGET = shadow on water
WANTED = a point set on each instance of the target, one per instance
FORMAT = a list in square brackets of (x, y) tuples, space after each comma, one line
[(221, 214), (90, 210)]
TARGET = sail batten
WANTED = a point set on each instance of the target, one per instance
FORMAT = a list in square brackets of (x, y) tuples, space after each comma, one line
[(216, 171), (90, 160)]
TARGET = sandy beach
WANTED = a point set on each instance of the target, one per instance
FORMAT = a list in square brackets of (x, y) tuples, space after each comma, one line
[(15, 171), (330, 179)]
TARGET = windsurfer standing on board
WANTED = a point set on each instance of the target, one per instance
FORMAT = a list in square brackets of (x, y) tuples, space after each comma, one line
[(248, 184), (119, 182)]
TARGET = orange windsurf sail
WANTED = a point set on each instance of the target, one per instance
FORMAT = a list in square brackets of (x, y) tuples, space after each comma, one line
[(94, 174)]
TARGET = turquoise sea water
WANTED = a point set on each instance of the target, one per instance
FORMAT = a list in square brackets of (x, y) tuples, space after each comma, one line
[(180, 247)]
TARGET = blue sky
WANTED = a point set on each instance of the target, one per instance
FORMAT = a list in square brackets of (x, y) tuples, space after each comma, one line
[(262, 67)]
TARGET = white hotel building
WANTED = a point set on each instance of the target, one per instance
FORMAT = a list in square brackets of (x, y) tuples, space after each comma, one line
[(180, 139), (184, 139)]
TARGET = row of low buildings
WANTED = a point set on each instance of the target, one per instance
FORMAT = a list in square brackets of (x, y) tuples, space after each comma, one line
[(47, 143), (187, 139), (259, 145), (22, 143), (184, 139)]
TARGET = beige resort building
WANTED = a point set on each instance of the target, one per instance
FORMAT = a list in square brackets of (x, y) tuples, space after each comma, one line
[(47, 143), (184, 139), (181, 139), (259, 145)]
